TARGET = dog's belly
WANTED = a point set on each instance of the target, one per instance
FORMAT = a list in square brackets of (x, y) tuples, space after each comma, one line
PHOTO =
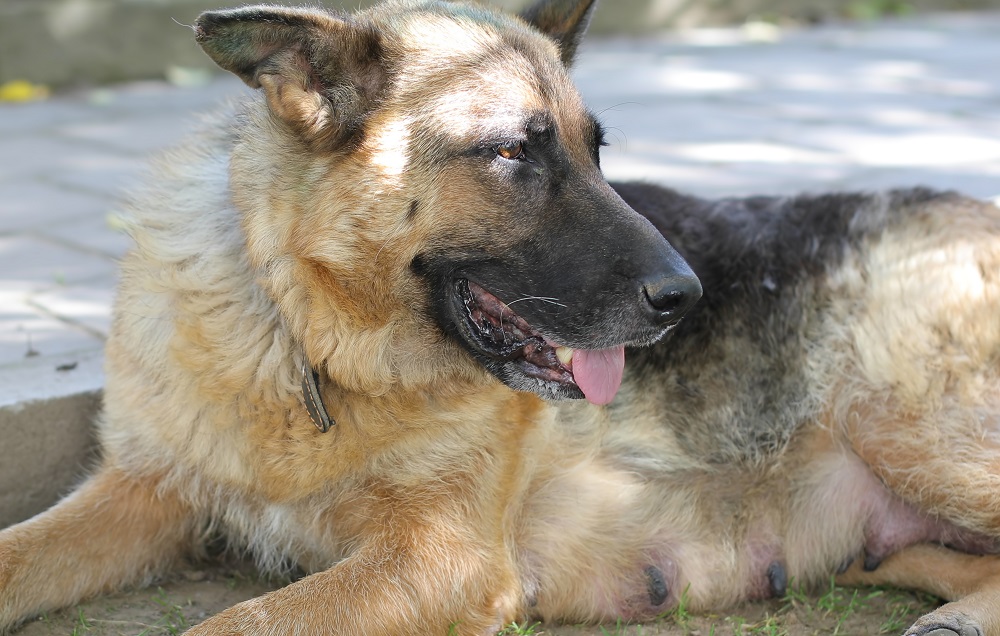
[(606, 539), (609, 530), (840, 511)]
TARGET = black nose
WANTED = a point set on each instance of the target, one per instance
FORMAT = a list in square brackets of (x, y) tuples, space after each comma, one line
[(668, 298)]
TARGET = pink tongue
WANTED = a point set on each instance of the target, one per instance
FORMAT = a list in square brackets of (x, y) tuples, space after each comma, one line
[(598, 373)]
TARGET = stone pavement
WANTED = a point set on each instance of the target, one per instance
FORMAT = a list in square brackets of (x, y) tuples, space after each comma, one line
[(716, 112)]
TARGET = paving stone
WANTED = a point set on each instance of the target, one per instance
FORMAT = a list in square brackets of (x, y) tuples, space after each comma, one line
[(30, 204), (93, 233), (30, 118), (878, 147), (84, 167), (638, 127), (156, 97), (100, 173), (26, 333), (138, 135), (85, 306), (28, 263), (985, 186), (70, 371)]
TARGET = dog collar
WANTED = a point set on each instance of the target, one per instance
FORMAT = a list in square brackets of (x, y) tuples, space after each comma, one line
[(314, 401)]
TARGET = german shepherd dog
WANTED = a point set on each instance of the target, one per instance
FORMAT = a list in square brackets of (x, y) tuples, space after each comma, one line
[(375, 324)]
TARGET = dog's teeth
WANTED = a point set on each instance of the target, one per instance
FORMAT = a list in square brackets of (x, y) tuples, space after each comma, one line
[(565, 355)]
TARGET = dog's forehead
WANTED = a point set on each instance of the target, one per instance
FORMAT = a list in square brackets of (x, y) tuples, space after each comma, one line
[(430, 36), (476, 76)]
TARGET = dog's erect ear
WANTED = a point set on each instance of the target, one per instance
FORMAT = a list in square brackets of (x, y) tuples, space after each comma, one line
[(563, 20), (321, 73)]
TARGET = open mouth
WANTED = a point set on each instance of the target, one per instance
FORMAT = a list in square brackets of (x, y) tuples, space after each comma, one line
[(518, 349)]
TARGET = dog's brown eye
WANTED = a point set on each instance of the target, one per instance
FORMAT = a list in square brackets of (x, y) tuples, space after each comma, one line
[(514, 150)]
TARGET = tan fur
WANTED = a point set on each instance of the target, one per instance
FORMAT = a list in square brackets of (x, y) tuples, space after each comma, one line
[(971, 583), (442, 501)]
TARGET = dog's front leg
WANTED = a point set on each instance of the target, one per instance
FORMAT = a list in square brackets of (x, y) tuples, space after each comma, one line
[(113, 530), (971, 583), (409, 583)]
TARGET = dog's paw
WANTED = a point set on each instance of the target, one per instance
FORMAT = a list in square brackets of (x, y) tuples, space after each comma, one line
[(945, 623), (968, 630)]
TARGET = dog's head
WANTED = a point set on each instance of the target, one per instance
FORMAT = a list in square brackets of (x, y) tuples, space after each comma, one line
[(424, 178)]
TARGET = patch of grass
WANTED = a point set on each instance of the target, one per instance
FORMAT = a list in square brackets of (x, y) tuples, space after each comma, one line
[(520, 630), (904, 609), (680, 615), (840, 604), (831, 610), (621, 628), (834, 609), (82, 625), (897, 620), (770, 626), (172, 622), (737, 622), (875, 9)]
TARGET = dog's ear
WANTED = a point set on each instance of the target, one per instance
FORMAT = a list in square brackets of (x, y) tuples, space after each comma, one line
[(563, 20), (321, 73)]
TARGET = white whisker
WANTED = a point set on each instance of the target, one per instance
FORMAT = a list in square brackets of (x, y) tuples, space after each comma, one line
[(544, 299)]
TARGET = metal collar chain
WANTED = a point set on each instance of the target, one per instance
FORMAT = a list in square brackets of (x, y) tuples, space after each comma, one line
[(314, 401)]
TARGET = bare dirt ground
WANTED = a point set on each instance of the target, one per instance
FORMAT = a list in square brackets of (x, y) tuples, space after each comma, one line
[(188, 597)]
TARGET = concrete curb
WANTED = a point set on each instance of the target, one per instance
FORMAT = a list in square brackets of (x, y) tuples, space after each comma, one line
[(47, 411), (47, 445)]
